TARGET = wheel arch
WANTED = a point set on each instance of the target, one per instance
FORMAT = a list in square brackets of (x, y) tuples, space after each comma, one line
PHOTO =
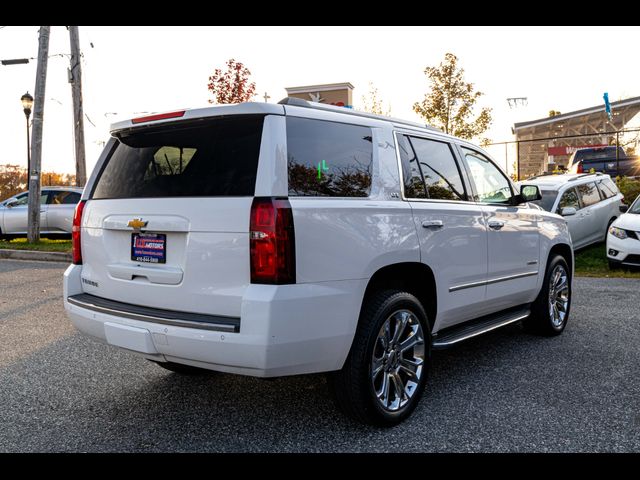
[(565, 251), (415, 278)]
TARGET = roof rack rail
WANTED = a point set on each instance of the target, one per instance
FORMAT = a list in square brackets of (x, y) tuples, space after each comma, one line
[(581, 175), (299, 102)]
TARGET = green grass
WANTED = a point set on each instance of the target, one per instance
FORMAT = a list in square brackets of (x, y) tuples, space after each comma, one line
[(45, 245), (592, 262)]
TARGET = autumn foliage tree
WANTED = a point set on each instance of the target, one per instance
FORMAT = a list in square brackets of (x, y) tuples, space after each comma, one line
[(372, 103), (451, 101), (13, 180), (232, 85)]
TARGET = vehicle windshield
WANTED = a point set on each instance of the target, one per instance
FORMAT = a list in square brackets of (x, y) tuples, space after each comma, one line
[(548, 199), (635, 206)]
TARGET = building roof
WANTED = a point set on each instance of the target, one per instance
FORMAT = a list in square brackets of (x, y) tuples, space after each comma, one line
[(635, 101), (319, 88)]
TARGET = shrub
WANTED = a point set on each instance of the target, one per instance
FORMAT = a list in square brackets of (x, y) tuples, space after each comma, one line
[(629, 187)]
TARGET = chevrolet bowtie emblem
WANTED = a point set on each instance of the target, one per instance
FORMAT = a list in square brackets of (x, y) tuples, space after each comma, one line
[(137, 224)]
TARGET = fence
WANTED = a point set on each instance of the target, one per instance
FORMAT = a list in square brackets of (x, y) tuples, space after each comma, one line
[(523, 158)]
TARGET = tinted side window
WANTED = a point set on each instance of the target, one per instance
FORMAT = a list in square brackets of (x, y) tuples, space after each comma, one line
[(491, 184), (607, 188), (413, 181), (588, 194), (569, 199), (439, 169), (328, 159), (63, 198), (24, 199)]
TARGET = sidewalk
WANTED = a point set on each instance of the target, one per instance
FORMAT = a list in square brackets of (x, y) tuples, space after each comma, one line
[(35, 255)]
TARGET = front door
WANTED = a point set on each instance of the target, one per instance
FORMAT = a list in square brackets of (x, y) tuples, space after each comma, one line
[(513, 237), (16, 217), (578, 223)]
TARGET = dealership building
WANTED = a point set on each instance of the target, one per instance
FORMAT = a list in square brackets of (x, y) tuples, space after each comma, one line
[(546, 143)]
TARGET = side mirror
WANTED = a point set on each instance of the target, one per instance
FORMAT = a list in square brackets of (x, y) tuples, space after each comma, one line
[(530, 193), (623, 208), (568, 211), (11, 204)]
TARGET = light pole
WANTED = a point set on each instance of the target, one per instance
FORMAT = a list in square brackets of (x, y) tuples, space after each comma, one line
[(27, 104)]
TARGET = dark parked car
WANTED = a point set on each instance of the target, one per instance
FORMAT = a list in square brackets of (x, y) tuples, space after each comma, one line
[(605, 160)]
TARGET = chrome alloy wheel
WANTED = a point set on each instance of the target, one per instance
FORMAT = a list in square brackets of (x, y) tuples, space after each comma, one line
[(558, 296), (398, 360)]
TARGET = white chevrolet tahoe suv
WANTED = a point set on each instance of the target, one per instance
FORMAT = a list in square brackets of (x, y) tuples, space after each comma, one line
[(281, 239)]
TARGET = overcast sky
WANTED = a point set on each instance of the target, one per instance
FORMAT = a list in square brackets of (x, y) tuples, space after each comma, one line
[(148, 69)]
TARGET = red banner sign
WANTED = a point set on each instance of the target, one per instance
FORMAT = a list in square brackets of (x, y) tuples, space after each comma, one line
[(568, 150)]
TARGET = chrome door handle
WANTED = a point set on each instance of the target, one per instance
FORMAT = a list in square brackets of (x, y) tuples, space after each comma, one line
[(432, 224), (496, 225)]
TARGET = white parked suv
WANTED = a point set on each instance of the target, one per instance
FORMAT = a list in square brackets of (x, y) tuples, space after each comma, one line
[(271, 240), (623, 239), (589, 203)]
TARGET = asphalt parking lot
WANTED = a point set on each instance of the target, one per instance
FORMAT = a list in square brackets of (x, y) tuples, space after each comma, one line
[(506, 391)]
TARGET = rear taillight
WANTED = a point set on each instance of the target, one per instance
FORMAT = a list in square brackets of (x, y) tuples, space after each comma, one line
[(272, 241), (580, 168), (75, 233)]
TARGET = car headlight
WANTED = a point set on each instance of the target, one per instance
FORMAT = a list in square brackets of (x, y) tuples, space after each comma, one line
[(618, 232)]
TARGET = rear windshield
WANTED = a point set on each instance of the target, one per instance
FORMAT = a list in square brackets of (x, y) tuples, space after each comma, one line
[(207, 158), (548, 199), (597, 154)]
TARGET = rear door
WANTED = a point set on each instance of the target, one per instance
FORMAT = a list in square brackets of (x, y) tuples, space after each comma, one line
[(60, 207), (451, 229), (167, 221), (594, 212)]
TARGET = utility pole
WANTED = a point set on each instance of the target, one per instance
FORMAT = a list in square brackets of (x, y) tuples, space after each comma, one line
[(33, 234), (75, 79)]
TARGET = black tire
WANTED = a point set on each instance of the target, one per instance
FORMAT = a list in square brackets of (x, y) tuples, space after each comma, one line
[(613, 265), (183, 369), (542, 320), (353, 387)]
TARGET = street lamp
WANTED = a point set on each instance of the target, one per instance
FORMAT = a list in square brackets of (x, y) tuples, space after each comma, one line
[(27, 104)]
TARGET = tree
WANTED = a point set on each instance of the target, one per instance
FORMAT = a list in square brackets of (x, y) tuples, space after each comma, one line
[(233, 85), (451, 101), (13, 179), (372, 103)]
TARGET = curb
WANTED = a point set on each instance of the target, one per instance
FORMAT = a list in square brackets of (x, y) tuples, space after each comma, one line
[(35, 255)]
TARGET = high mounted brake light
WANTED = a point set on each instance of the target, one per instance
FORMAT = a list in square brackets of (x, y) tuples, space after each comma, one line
[(159, 116)]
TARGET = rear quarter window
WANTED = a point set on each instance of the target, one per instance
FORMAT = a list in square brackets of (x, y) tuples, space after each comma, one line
[(328, 159), (203, 158)]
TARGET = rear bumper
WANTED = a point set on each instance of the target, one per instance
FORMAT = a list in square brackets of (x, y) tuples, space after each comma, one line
[(284, 330)]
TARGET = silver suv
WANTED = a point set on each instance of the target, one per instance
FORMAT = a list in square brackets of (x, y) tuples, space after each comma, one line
[(588, 202)]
